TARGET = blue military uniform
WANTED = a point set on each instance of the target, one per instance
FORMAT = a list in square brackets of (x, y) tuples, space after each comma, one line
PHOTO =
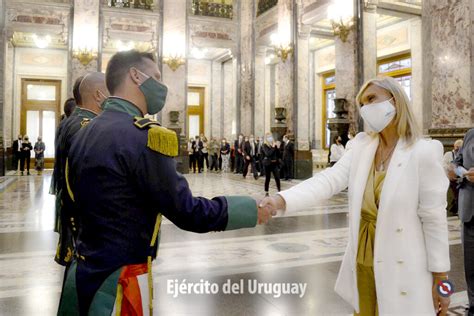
[(122, 177), (65, 214)]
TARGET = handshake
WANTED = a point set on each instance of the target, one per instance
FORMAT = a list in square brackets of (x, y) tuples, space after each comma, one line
[(268, 207)]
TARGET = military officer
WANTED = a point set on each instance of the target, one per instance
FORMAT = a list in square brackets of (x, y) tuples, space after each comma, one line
[(122, 177), (91, 92)]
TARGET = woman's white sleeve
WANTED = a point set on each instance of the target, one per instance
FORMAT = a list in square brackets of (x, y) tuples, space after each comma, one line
[(321, 186)]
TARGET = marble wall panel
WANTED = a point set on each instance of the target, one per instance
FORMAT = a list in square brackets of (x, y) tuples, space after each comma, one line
[(451, 74), (200, 75)]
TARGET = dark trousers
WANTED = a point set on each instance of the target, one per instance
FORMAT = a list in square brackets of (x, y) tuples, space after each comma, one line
[(194, 160), (205, 158), (453, 196), (468, 246), (289, 169), (25, 158), (16, 159), (200, 161), (254, 168), (239, 163), (269, 169), (214, 162)]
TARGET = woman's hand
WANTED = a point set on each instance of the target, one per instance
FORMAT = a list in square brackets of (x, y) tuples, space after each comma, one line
[(273, 203), (440, 303)]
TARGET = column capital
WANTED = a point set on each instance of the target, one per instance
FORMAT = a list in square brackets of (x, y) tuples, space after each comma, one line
[(304, 31), (370, 6)]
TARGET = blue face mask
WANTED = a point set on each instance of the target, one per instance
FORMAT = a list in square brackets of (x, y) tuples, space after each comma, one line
[(155, 94)]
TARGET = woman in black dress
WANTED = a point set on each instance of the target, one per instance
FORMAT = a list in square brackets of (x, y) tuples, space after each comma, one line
[(271, 161)]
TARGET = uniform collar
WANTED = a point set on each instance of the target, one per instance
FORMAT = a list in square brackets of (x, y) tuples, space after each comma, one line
[(122, 105), (85, 113)]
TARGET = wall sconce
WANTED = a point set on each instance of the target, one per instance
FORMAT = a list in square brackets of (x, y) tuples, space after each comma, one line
[(85, 56), (41, 42), (341, 15), (282, 49), (174, 62), (342, 30)]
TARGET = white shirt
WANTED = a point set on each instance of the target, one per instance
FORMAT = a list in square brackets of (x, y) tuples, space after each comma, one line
[(337, 151)]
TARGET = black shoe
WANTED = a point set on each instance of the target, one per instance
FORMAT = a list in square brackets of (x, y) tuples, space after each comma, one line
[(255, 177), (266, 194), (28, 173)]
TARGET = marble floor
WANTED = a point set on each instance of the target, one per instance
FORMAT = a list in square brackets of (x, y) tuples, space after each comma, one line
[(301, 250)]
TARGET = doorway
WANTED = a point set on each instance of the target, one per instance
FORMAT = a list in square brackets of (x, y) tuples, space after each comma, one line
[(40, 110), (195, 112)]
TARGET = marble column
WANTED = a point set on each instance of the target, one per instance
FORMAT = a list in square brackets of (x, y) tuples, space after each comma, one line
[(247, 72), (175, 35), (85, 35), (2, 86), (216, 99), (174, 43), (370, 42), (259, 122), (346, 74), (303, 167), (303, 113), (449, 67), (285, 69), (416, 41)]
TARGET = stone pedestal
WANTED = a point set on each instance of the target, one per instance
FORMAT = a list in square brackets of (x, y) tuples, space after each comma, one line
[(339, 126), (303, 164)]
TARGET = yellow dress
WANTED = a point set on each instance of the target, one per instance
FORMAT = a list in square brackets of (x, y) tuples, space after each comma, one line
[(365, 253)]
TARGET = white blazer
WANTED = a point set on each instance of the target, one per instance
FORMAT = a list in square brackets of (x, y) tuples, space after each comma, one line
[(411, 238)]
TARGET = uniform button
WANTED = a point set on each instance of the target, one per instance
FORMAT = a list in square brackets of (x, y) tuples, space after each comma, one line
[(404, 293), (399, 230), (74, 229)]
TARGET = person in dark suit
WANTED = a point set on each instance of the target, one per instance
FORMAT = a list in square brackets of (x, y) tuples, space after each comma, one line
[(16, 151), (239, 158), (464, 168), (288, 157), (250, 155), (25, 158), (122, 187), (198, 156), (271, 162), (92, 93)]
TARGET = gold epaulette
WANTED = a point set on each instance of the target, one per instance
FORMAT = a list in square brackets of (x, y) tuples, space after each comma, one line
[(142, 122), (85, 121), (163, 140)]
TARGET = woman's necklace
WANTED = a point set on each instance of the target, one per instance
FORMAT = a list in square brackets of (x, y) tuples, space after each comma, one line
[(382, 164)]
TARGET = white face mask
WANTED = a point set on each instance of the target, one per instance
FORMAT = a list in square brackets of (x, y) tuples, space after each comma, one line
[(378, 115)]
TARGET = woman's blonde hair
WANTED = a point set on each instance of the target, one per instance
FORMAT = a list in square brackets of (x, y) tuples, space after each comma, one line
[(265, 141), (407, 127)]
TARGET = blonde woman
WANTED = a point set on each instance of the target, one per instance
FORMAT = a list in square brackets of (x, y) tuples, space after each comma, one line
[(271, 161), (398, 247)]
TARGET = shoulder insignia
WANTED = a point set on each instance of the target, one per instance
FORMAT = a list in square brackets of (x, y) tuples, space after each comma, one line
[(85, 121), (163, 140), (143, 123)]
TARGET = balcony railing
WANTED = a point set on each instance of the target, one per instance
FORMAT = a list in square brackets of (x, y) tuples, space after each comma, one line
[(136, 4), (218, 10), (265, 5)]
